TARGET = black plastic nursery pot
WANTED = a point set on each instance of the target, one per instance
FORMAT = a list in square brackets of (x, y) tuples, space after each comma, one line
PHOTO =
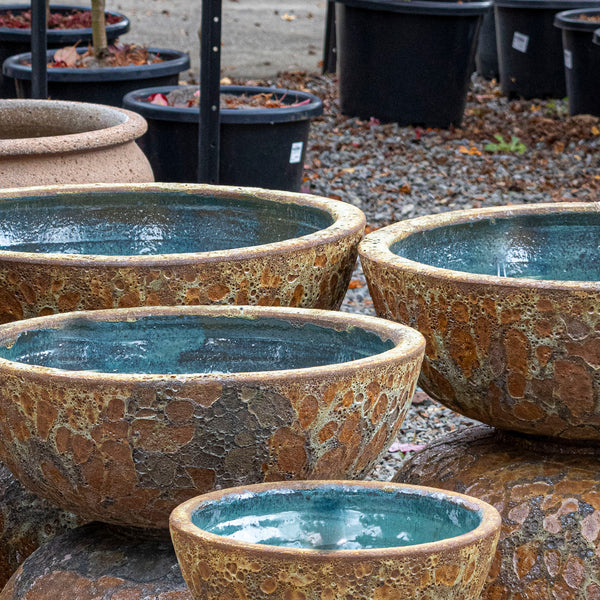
[(530, 53), (486, 58), (17, 41), (259, 147), (407, 61), (581, 59), (106, 85)]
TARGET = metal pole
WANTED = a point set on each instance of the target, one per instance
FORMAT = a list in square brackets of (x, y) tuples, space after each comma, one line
[(329, 47), (39, 75), (210, 88)]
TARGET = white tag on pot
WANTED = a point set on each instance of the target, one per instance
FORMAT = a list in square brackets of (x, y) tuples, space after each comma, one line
[(296, 153), (568, 59), (520, 42)]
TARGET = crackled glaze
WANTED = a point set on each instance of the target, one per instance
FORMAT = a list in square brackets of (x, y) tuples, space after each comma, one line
[(521, 354), (216, 567), (127, 448), (548, 494), (275, 268)]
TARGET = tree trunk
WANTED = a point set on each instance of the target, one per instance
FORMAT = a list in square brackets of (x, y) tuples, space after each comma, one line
[(99, 40)]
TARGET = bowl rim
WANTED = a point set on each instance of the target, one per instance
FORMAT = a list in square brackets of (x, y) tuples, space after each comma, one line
[(409, 344), (348, 220), (180, 521), (375, 246)]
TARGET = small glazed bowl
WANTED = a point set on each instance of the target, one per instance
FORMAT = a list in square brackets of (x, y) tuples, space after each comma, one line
[(335, 540), (118, 246), (508, 299), (121, 415)]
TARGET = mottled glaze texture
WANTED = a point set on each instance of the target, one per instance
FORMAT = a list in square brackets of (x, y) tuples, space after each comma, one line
[(26, 521), (300, 249), (46, 142), (127, 448), (217, 567), (549, 497), (521, 354), (97, 562)]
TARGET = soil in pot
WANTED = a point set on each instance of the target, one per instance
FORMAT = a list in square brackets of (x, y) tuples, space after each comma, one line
[(264, 133), (67, 26), (90, 82), (581, 59), (408, 62)]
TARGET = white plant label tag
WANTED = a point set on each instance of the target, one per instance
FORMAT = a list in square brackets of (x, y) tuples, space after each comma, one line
[(568, 59), (520, 42), (296, 153)]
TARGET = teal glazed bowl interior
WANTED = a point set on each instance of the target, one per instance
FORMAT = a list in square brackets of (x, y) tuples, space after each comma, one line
[(122, 414), (327, 530), (109, 246), (508, 300)]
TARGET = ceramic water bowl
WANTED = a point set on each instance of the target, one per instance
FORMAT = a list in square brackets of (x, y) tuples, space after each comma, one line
[(508, 299), (335, 540), (109, 246), (120, 415)]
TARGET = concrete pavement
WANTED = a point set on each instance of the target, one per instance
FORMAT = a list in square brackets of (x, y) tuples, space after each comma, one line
[(259, 37)]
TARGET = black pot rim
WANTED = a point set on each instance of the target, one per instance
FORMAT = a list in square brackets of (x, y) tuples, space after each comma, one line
[(568, 20), (176, 61), (60, 36), (135, 101), (557, 5), (423, 7)]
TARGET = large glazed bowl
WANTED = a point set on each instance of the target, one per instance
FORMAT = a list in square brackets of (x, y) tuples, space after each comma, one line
[(48, 142), (335, 540), (120, 415), (508, 299), (109, 246)]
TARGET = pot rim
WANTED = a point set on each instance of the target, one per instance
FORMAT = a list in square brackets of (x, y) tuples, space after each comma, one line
[(409, 344), (181, 523), (12, 34), (556, 5), (424, 7), (568, 20), (135, 101), (178, 61), (129, 126), (348, 220), (376, 246)]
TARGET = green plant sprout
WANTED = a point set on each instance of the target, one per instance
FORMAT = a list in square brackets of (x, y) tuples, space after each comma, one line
[(515, 145)]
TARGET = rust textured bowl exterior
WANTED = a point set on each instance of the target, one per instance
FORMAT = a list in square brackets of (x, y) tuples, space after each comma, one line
[(311, 271), (26, 521), (127, 448), (45, 142), (549, 497), (217, 567), (98, 561), (518, 354)]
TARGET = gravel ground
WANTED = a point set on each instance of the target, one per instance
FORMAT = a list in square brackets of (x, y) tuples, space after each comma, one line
[(394, 173)]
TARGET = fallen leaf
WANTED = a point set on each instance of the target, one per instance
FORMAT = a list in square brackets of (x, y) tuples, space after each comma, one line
[(159, 99), (397, 447), (355, 284), (287, 17), (595, 130), (66, 56)]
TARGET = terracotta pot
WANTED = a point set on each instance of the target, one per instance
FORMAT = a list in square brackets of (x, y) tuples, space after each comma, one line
[(507, 299), (121, 415), (26, 521), (45, 142), (347, 539), (107, 246), (548, 494), (99, 561)]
